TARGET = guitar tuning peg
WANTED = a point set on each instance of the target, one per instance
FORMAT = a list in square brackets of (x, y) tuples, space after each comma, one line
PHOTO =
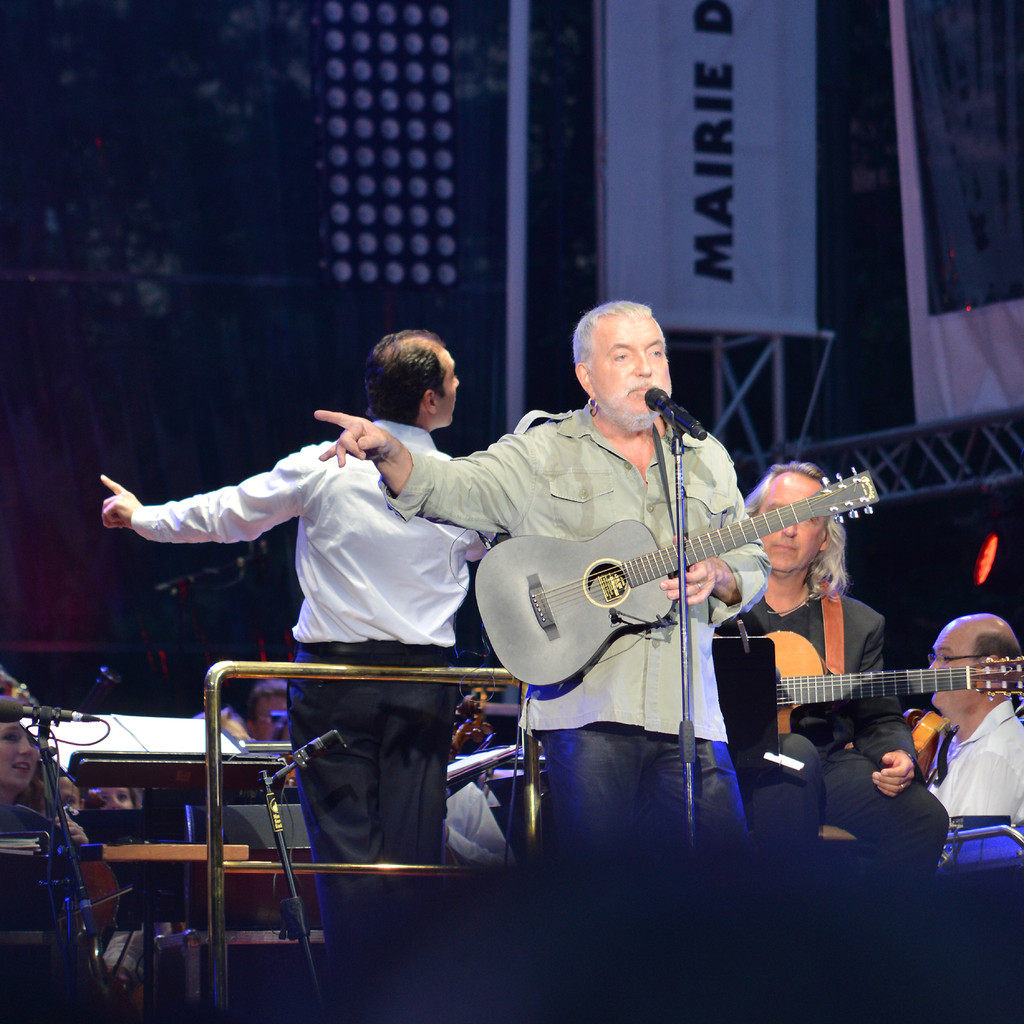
[(855, 514), (869, 511)]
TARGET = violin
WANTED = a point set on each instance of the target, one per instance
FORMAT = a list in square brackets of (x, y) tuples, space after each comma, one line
[(473, 726)]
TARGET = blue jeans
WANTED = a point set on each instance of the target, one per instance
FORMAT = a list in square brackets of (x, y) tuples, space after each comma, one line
[(620, 792)]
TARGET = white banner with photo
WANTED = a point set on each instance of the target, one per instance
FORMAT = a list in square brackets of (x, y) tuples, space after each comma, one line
[(959, 107), (707, 162)]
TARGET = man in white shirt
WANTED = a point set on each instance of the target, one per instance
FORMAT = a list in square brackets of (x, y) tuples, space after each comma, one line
[(377, 591), (985, 760)]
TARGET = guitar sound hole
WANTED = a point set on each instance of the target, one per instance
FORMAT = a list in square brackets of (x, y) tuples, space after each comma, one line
[(606, 584)]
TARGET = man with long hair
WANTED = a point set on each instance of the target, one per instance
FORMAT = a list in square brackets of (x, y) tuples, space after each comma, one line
[(859, 769)]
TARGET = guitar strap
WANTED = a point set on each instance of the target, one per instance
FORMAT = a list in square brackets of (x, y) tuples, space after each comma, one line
[(835, 641), (942, 766), (662, 470)]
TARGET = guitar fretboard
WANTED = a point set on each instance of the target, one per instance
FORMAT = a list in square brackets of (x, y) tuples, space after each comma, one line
[(661, 563), (824, 689)]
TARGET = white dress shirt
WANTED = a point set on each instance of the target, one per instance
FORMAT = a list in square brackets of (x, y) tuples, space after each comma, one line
[(986, 772), (364, 573)]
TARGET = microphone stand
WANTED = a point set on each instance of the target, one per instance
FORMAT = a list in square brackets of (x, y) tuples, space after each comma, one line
[(295, 924), (76, 893), (687, 736)]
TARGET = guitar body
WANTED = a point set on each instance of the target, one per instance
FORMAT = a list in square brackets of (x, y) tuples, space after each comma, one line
[(584, 611), (794, 656), (551, 607)]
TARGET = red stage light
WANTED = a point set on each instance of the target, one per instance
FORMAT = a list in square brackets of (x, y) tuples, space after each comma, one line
[(986, 558)]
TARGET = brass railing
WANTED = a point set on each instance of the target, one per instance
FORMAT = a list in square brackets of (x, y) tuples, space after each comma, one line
[(215, 865)]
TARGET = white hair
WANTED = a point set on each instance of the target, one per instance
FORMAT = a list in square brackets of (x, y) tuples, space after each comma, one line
[(582, 337)]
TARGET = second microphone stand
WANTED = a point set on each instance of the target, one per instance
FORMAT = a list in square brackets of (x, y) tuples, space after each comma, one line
[(78, 906), (295, 924)]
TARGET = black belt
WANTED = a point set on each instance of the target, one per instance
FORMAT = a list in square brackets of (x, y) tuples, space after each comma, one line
[(376, 648)]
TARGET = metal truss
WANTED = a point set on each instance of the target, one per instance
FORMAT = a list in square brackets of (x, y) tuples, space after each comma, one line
[(977, 453), (741, 364), (908, 463)]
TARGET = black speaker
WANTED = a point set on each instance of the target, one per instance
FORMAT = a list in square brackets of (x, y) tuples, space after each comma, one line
[(249, 825)]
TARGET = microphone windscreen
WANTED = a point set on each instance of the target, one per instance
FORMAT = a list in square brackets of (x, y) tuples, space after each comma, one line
[(654, 397), (12, 710)]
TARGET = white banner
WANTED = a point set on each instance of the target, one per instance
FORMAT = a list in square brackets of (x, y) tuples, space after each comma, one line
[(961, 152), (708, 162)]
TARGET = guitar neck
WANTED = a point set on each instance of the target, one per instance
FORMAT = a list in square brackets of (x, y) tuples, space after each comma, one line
[(824, 689), (664, 562)]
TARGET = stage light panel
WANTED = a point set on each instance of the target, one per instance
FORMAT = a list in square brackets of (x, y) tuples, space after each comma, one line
[(386, 142)]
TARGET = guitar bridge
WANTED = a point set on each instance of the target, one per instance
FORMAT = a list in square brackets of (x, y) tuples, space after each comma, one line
[(541, 607)]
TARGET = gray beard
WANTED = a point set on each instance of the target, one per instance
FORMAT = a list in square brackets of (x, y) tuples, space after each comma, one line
[(640, 422)]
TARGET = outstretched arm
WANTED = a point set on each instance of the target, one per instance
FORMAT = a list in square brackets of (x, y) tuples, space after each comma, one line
[(120, 507), (364, 440)]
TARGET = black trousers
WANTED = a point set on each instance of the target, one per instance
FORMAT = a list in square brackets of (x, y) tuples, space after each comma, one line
[(380, 798), (785, 809)]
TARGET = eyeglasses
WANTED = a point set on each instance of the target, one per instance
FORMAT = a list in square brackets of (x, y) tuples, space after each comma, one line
[(933, 657)]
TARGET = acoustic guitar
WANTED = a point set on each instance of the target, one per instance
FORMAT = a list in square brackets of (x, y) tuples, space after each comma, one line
[(551, 607), (804, 680)]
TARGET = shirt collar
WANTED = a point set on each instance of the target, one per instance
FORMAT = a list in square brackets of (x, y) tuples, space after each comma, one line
[(414, 438), (995, 718)]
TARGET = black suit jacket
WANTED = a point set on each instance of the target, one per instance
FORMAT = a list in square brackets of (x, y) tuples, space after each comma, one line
[(874, 725)]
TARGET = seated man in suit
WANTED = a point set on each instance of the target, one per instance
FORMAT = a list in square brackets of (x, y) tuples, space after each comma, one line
[(859, 763)]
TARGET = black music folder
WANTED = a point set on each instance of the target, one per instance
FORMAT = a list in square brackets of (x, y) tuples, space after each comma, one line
[(748, 697)]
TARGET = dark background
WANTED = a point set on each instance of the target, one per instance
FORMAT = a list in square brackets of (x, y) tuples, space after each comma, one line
[(164, 319)]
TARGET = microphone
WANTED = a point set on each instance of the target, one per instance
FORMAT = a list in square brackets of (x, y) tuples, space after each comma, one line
[(14, 711), (318, 747), (658, 401)]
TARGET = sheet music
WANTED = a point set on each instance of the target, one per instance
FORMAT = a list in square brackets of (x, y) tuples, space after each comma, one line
[(133, 734), (480, 761)]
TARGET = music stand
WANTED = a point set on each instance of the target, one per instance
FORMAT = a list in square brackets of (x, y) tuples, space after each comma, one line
[(136, 734), (748, 697)]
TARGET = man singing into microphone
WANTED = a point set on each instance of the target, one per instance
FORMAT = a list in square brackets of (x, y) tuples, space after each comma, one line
[(375, 593), (610, 734)]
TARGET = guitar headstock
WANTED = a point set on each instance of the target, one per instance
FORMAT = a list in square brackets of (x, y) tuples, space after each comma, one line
[(998, 675), (845, 497)]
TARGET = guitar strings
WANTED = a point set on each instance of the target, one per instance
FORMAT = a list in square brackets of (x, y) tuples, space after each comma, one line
[(852, 686), (657, 563), (661, 562)]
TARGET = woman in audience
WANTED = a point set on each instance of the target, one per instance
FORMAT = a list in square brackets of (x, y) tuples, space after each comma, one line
[(22, 789)]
